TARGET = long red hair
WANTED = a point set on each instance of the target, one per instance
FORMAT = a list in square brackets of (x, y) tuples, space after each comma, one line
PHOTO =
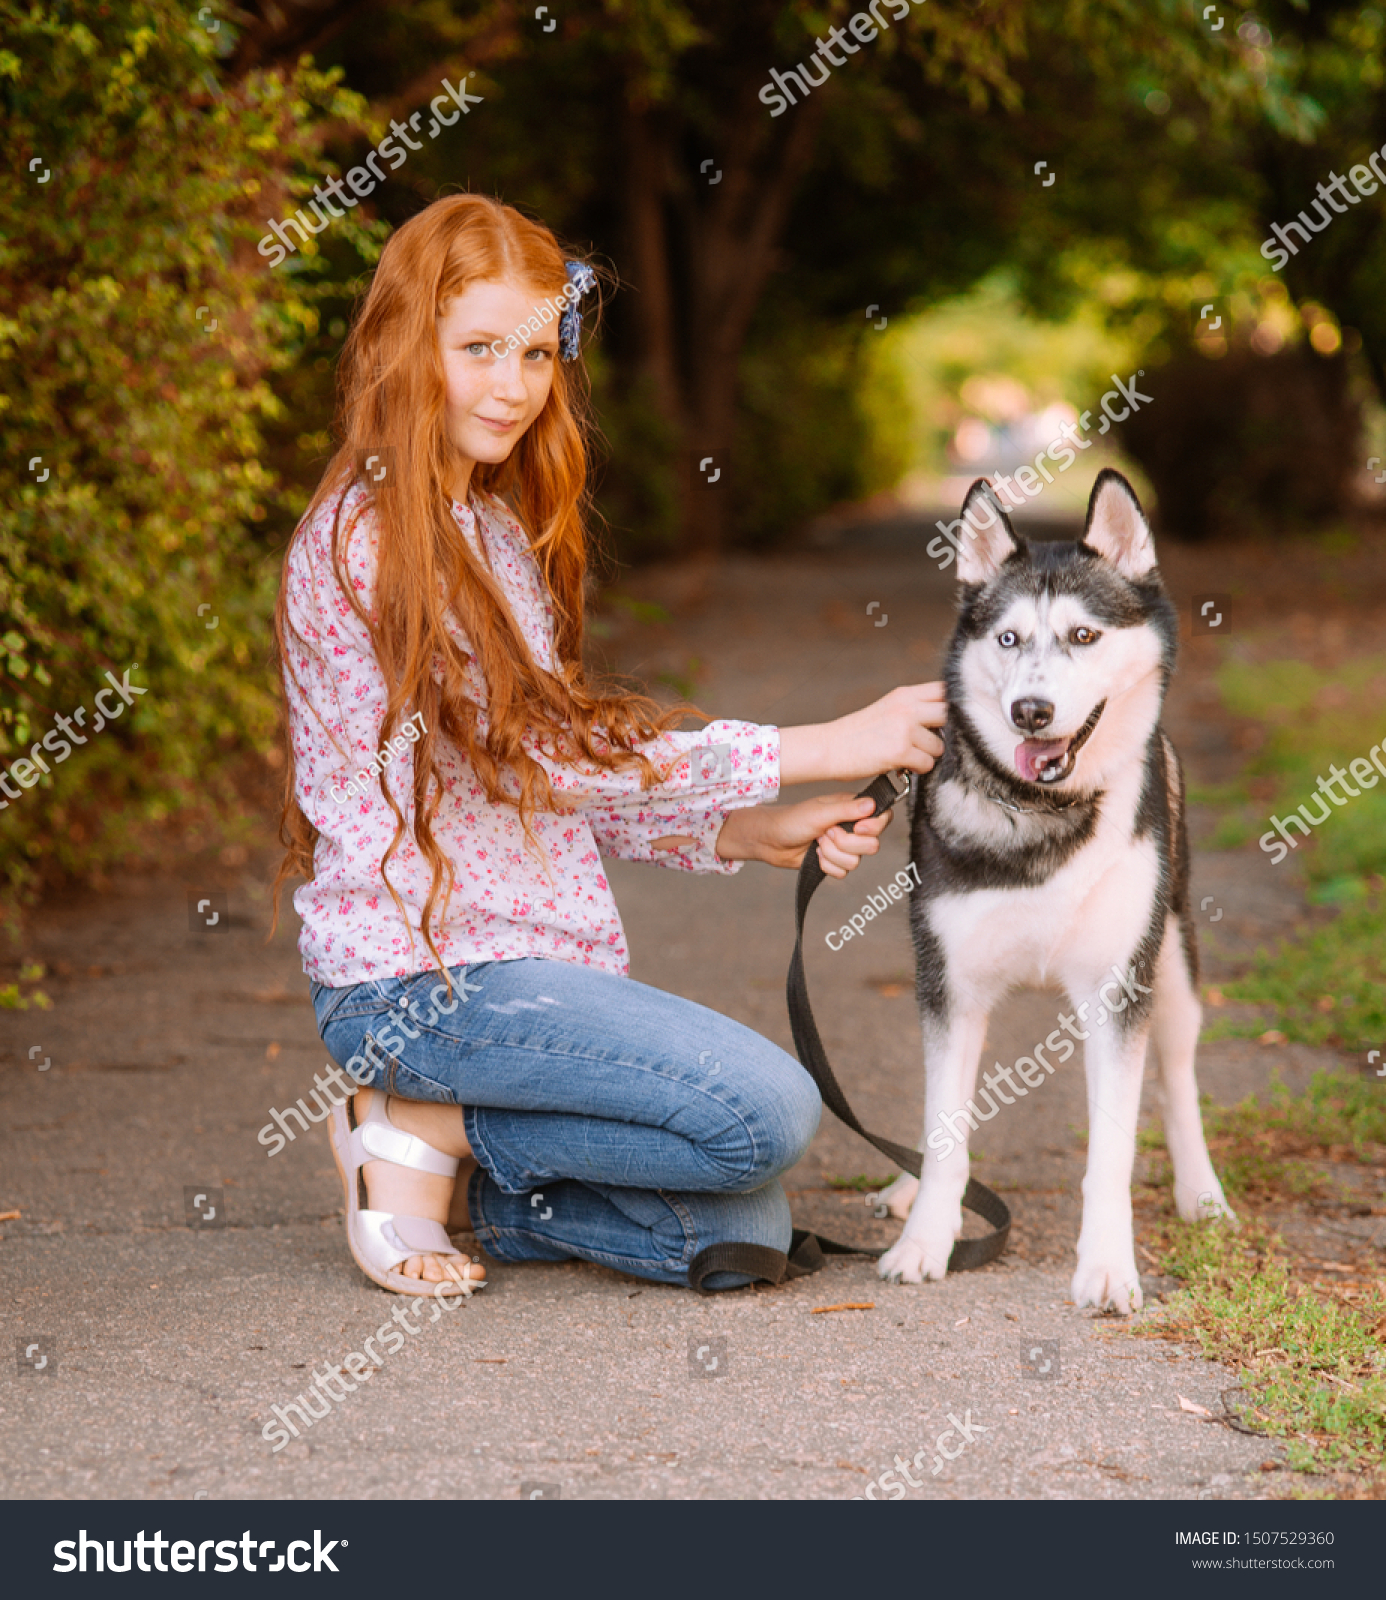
[(392, 394)]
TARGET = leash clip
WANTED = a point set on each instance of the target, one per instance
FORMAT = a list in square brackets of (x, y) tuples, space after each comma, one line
[(900, 781)]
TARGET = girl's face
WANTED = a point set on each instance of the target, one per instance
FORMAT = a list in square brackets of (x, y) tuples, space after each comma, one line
[(493, 393)]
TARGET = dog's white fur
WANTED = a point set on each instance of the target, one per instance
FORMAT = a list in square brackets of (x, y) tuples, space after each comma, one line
[(1067, 932)]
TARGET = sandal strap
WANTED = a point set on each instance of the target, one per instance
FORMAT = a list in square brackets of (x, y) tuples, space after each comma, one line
[(394, 1238), (378, 1139)]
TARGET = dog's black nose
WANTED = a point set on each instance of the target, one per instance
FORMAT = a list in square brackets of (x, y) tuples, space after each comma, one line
[(1032, 715)]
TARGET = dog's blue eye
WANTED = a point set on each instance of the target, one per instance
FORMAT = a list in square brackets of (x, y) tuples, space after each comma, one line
[(1085, 636), (1008, 640)]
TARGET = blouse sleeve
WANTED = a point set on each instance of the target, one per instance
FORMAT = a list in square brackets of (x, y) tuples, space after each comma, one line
[(719, 769), (335, 689)]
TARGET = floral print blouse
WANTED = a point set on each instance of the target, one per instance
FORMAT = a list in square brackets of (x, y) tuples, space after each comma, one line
[(507, 902)]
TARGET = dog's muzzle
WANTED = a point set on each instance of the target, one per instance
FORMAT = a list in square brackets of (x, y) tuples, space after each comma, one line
[(1052, 760)]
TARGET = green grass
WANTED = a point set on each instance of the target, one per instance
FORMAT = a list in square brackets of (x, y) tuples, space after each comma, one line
[(1326, 987), (640, 610), (13, 998), (1261, 1147), (683, 681), (1312, 1368), (1311, 721), (1264, 1149)]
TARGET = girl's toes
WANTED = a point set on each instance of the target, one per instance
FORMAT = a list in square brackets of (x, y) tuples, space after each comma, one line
[(462, 1270)]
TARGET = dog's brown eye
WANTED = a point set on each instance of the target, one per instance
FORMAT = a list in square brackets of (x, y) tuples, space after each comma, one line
[(1085, 636), (1008, 640)]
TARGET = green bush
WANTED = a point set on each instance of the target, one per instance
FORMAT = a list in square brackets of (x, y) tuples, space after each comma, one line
[(139, 332), (822, 419)]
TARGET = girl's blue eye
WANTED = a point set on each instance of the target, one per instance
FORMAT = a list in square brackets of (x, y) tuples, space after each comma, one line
[(476, 349)]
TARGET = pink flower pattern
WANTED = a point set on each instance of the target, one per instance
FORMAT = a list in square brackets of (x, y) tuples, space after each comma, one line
[(509, 900)]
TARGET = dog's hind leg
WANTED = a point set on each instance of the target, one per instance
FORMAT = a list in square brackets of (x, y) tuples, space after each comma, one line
[(1178, 1013), (952, 1050), (898, 1196)]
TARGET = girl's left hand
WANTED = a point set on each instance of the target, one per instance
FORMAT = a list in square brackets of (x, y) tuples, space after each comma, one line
[(781, 835)]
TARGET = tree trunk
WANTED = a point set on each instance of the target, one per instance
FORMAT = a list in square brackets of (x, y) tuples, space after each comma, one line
[(722, 235)]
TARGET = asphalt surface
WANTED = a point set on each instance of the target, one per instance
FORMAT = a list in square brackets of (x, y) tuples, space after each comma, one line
[(169, 1339)]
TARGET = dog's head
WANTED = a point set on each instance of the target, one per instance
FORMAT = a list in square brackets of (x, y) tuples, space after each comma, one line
[(1063, 649)]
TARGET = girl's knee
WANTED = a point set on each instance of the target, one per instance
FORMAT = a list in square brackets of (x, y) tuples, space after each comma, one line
[(789, 1113), (759, 1128)]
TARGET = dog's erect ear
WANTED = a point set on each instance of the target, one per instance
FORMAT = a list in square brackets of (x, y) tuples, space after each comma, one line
[(1116, 527), (985, 535)]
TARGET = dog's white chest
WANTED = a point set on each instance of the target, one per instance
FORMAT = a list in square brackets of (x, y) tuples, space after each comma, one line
[(1090, 913)]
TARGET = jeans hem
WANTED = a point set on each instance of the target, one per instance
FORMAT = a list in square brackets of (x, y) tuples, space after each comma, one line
[(494, 1239), (506, 1184)]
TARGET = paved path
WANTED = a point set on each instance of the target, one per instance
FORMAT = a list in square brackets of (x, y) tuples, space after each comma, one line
[(168, 1048)]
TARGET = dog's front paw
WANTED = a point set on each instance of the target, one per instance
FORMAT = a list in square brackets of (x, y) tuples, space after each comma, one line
[(912, 1259), (1108, 1279), (898, 1197)]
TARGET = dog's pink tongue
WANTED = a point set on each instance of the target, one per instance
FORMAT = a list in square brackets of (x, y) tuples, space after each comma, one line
[(1033, 753)]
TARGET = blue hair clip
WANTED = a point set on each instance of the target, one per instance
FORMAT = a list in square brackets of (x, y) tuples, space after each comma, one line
[(581, 279)]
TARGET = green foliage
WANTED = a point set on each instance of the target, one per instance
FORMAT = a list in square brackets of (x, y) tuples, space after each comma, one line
[(822, 420), (634, 488), (1311, 721), (1313, 1370), (139, 335), (972, 340), (1327, 987), (1263, 1147)]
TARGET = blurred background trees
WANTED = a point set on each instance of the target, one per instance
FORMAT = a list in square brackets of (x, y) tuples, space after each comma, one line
[(878, 290)]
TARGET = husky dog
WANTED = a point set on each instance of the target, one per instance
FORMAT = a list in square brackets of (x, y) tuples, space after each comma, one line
[(1051, 849)]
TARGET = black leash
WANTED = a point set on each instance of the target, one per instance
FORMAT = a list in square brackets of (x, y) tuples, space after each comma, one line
[(807, 1250)]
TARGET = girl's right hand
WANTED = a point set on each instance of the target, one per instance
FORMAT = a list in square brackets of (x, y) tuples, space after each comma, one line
[(894, 731)]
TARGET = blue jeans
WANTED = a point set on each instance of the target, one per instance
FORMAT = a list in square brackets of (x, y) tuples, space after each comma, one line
[(610, 1121)]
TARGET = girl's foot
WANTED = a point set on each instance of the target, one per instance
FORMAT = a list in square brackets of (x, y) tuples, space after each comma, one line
[(405, 1192)]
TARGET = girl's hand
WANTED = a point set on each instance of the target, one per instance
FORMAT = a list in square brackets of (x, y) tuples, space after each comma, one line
[(781, 835), (894, 731)]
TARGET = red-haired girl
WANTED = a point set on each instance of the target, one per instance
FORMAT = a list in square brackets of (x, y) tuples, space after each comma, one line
[(454, 778)]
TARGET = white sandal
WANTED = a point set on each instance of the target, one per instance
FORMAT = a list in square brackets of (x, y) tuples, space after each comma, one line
[(380, 1240)]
